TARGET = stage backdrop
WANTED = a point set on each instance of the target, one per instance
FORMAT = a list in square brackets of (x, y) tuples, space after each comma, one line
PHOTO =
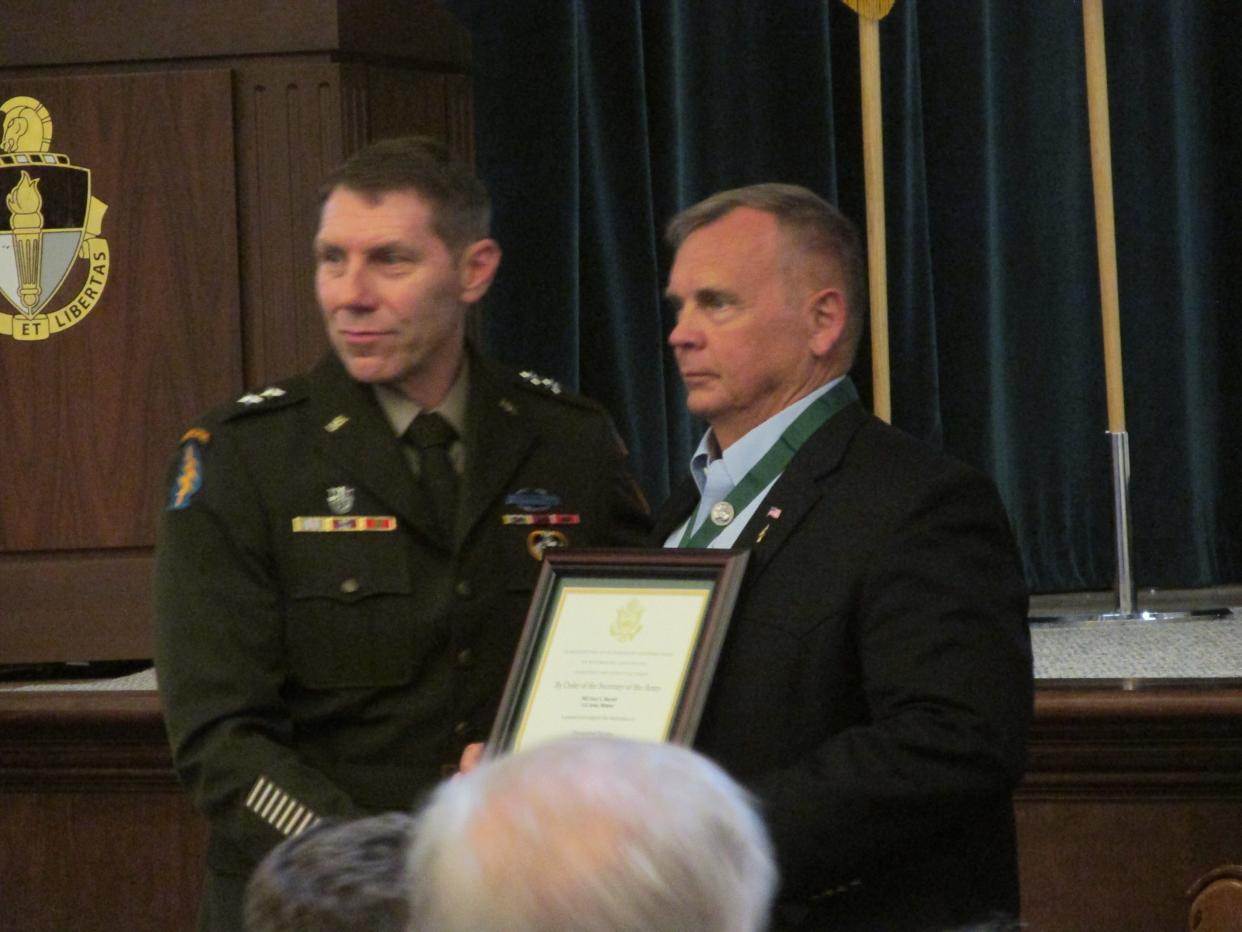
[(597, 121)]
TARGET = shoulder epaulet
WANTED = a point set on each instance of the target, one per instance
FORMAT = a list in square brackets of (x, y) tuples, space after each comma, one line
[(268, 399), (540, 381), (191, 459), (552, 390)]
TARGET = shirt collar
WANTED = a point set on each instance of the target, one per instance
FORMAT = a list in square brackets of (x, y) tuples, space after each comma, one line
[(748, 449), (400, 410)]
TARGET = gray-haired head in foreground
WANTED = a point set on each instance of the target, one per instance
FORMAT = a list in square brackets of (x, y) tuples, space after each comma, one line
[(592, 835), (461, 208), (335, 877), (814, 228)]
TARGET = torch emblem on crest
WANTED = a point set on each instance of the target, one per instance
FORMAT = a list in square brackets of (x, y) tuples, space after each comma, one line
[(26, 220)]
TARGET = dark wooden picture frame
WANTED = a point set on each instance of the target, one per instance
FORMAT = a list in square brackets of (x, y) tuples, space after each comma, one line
[(715, 573)]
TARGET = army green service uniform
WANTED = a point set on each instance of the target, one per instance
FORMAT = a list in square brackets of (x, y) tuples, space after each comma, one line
[(322, 648)]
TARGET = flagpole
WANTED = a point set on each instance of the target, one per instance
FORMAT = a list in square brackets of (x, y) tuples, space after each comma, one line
[(877, 247), (870, 12), (1125, 600), (1110, 315)]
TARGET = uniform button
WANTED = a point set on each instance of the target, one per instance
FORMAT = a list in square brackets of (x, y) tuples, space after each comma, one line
[(463, 588), (447, 770), (465, 657), (461, 728), (349, 586)]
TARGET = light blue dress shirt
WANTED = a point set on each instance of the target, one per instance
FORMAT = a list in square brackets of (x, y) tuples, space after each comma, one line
[(717, 475)]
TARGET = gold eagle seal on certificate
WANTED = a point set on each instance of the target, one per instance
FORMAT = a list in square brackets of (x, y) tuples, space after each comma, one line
[(628, 622), (48, 222)]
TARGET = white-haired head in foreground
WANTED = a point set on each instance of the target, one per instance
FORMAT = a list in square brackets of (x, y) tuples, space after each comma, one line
[(587, 834)]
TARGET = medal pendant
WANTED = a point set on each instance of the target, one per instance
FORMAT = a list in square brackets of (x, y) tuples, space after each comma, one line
[(721, 514)]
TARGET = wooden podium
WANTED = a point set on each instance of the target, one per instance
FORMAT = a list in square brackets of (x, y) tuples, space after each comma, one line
[(206, 129), (1129, 797)]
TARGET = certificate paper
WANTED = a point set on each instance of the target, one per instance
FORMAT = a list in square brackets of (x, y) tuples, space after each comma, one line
[(618, 642), (614, 661)]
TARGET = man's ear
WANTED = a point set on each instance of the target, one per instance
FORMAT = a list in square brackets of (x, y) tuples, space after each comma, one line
[(476, 268), (826, 316)]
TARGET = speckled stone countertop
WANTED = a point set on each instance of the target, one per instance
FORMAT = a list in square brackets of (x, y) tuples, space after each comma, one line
[(1192, 648)]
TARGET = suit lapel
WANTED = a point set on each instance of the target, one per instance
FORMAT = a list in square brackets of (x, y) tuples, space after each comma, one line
[(499, 441), (796, 492), (798, 489), (350, 429)]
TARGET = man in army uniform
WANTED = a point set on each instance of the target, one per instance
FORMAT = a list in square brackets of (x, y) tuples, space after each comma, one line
[(345, 559)]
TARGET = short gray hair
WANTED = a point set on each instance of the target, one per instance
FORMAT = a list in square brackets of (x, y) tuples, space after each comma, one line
[(812, 224), (592, 835), (334, 877)]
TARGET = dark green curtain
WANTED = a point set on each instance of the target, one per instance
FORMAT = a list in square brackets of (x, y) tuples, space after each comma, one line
[(596, 121)]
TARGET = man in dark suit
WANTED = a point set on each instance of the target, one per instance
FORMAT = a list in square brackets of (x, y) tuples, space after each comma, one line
[(345, 559), (874, 689)]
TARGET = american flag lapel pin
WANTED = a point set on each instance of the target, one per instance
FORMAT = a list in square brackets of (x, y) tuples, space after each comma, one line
[(773, 514)]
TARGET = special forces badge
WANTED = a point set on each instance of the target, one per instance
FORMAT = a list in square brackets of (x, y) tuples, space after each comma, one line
[(48, 221)]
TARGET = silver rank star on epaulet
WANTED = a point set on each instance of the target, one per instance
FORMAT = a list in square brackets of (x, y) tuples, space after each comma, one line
[(543, 382), (252, 399)]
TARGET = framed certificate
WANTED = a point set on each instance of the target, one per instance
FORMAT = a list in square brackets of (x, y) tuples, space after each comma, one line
[(618, 642)]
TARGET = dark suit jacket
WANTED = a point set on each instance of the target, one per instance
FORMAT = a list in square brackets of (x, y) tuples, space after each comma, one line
[(875, 688), (315, 674)]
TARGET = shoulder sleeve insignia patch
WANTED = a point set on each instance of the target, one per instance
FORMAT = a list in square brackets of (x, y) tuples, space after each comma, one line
[(196, 433), (189, 477)]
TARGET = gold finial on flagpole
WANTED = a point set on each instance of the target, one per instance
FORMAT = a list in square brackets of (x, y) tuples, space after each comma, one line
[(871, 9)]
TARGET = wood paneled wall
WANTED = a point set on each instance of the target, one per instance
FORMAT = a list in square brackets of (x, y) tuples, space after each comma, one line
[(207, 129)]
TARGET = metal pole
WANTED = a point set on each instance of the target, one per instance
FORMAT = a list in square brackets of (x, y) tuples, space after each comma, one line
[(1126, 594)]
